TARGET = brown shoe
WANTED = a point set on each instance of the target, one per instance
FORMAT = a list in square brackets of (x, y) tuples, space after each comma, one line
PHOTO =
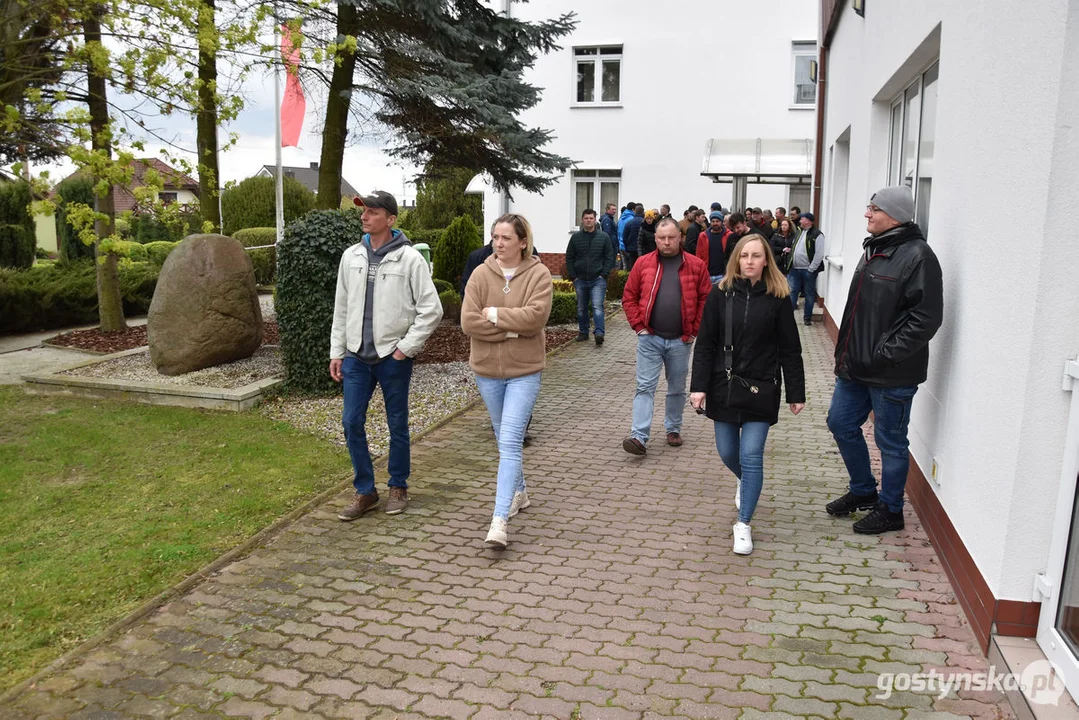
[(674, 439), (633, 446), (359, 505), (397, 502)]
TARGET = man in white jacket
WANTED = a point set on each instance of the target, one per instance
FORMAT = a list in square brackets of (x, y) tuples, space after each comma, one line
[(386, 308)]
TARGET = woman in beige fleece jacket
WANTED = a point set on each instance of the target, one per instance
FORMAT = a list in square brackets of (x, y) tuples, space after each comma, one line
[(506, 306)]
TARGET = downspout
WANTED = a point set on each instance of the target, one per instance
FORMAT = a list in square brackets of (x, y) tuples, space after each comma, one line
[(818, 151)]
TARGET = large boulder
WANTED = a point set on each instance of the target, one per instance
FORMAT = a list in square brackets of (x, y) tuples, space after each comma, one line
[(205, 309)]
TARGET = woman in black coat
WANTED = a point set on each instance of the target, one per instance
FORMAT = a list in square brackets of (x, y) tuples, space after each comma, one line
[(646, 240), (764, 338)]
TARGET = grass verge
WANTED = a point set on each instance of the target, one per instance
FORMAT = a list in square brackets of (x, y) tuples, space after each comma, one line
[(105, 504)]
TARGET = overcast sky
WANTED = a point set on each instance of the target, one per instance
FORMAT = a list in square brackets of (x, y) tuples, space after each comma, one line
[(366, 166)]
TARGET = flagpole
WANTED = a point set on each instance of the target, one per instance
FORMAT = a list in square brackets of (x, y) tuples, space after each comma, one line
[(280, 184)]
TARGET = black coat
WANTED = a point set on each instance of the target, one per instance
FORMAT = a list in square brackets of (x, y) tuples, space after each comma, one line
[(894, 307), (765, 338), (646, 239), (693, 233)]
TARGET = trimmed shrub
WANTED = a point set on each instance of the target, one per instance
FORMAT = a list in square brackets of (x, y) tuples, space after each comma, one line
[(42, 254), (563, 308), (451, 253), (442, 286), (307, 262), (16, 247), (431, 237), (251, 203), (159, 250), (264, 259), (451, 305), (616, 283), (131, 250), (15, 199), (60, 295), (563, 286), (75, 189)]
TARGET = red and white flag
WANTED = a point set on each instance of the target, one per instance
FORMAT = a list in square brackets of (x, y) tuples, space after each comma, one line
[(294, 105)]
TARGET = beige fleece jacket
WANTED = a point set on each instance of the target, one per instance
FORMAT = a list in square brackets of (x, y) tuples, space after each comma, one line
[(513, 345)]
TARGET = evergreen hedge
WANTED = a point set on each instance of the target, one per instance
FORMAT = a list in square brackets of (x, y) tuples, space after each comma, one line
[(441, 286), (251, 203), (616, 284), (73, 190), (159, 250), (16, 247), (451, 253), (307, 262), (264, 259), (59, 295), (563, 308), (451, 305)]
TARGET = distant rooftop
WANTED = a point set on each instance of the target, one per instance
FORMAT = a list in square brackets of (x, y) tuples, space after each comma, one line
[(307, 176)]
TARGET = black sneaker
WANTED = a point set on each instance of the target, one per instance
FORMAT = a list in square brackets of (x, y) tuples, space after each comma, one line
[(880, 520), (582, 337), (851, 502), (599, 340)]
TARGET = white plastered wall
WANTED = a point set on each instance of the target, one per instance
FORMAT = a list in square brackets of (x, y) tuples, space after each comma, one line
[(685, 78), (1005, 192)]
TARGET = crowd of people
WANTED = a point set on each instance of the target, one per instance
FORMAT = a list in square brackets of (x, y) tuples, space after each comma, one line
[(716, 290)]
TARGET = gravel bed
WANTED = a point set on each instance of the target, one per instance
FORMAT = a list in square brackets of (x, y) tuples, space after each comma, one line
[(436, 392), (265, 363)]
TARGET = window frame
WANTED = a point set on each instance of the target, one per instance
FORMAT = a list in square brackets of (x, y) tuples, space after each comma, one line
[(896, 155), (802, 48), (597, 58), (168, 197), (594, 177)]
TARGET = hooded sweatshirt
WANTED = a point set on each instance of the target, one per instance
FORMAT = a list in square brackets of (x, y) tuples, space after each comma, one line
[(367, 348)]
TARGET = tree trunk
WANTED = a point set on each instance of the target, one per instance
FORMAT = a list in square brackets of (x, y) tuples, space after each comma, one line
[(206, 119), (335, 131), (110, 302)]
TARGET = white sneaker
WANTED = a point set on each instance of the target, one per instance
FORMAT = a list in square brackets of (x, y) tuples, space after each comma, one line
[(743, 539), (520, 502), (497, 536), (738, 494)]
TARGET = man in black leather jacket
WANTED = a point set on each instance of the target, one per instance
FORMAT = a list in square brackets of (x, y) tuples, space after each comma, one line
[(894, 308)]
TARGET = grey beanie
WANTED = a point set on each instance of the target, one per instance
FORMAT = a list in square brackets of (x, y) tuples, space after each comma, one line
[(897, 202)]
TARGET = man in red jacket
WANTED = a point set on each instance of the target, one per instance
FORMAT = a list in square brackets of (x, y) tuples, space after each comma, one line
[(663, 300)]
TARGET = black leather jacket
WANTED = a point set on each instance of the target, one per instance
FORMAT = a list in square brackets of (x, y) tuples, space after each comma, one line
[(895, 306)]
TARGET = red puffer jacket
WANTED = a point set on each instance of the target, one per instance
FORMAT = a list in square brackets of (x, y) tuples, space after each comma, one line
[(640, 293)]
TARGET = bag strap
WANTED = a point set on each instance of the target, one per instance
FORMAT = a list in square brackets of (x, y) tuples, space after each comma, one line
[(728, 334)]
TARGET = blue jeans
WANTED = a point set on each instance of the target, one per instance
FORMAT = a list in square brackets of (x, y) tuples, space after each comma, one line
[(742, 451), (593, 291), (509, 403), (716, 278), (851, 403), (359, 383), (654, 353), (803, 281)]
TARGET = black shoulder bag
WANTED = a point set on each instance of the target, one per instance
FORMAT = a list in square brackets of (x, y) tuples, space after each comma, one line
[(756, 397)]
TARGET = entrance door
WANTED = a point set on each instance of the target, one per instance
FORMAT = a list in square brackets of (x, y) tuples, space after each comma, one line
[(1058, 625)]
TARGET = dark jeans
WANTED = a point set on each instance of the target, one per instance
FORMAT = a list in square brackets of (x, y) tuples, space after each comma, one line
[(851, 403), (628, 258), (803, 281), (594, 292), (360, 379)]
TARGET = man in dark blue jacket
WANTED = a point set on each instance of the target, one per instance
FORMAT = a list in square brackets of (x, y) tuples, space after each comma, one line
[(895, 306), (589, 260), (630, 232), (608, 223)]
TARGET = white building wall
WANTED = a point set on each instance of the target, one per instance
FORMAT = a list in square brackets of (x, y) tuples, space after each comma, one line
[(992, 412), (691, 70)]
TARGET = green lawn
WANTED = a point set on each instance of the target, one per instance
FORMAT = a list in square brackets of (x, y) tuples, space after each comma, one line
[(105, 504)]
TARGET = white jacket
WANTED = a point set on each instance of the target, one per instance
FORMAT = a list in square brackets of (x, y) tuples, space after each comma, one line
[(407, 311)]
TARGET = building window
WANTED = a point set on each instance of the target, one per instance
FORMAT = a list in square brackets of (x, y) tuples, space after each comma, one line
[(598, 74), (805, 90), (594, 189), (168, 197), (912, 141)]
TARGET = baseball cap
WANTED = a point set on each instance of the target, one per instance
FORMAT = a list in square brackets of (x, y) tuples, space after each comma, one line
[(378, 199)]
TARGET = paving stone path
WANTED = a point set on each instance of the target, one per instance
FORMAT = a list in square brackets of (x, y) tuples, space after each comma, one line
[(619, 596)]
